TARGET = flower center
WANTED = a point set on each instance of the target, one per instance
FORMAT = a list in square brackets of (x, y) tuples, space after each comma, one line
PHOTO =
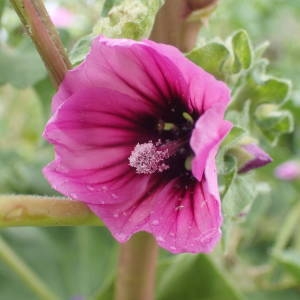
[(170, 149), (147, 158)]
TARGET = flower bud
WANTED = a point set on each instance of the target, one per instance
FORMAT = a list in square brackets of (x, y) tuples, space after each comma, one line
[(250, 156)]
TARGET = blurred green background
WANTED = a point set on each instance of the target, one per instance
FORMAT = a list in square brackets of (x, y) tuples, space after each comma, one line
[(262, 260)]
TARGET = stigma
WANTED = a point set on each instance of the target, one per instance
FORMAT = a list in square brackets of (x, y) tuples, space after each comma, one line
[(149, 158)]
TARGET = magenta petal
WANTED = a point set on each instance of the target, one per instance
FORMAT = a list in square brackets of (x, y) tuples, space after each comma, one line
[(208, 133), (186, 221), (129, 67), (205, 91), (89, 164)]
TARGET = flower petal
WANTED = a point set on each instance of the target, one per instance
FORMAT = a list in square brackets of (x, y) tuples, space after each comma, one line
[(132, 68), (93, 141), (204, 89), (207, 134), (182, 220)]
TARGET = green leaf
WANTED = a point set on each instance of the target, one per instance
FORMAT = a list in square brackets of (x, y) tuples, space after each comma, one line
[(262, 90), (239, 197), (272, 90), (261, 49), (290, 261), (72, 261), (242, 51), (80, 49), (131, 19), (21, 67), (274, 123), (194, 277), (211, 58)]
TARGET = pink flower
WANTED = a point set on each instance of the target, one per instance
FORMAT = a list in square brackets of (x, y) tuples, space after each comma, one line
[(136, 128), (289, 170), (62, 17)]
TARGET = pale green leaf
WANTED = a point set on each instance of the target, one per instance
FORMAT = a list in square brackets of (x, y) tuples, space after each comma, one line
[(130, 19), (239, 197), (80, 49), (21, 67), (242, 50), (274, 123), (211, 58)]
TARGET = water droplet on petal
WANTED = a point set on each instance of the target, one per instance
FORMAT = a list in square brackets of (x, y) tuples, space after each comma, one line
[(155, 222), (90, 187), (73, 195), (179, 207), (61, 169), (203, 203), (116, 215), (114, 196), (104, 188), (160, 238), (121, 237)]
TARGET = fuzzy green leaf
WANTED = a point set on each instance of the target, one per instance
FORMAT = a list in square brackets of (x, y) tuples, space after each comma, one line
[(211, 58), (131, 19), (239, 197), (274, 123), (242, 50), (80, 49)]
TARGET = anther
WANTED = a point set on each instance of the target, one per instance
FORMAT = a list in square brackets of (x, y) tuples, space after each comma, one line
[(147, 158)]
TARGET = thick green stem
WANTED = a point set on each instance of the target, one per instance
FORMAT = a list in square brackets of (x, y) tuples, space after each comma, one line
[(136, 271), (25, 273), (40, 28), (26, 210)]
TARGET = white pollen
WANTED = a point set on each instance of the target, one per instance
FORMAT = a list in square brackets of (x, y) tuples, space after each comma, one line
[(146, 158)]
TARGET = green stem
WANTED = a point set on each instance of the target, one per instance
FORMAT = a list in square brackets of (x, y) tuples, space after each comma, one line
[(26, 274), (40, 28), (26, 210), (288, 228), (136, 271)]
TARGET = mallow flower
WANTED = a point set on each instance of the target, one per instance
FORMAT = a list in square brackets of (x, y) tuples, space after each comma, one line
[(136, 128)]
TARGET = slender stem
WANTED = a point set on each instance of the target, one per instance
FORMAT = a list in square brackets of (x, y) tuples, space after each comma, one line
[(26, 210), (40, 28), (137, 265), (179, 21), (31, 279), (288, 228)]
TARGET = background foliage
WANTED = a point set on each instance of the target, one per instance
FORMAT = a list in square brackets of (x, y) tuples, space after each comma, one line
[(262, 245)]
